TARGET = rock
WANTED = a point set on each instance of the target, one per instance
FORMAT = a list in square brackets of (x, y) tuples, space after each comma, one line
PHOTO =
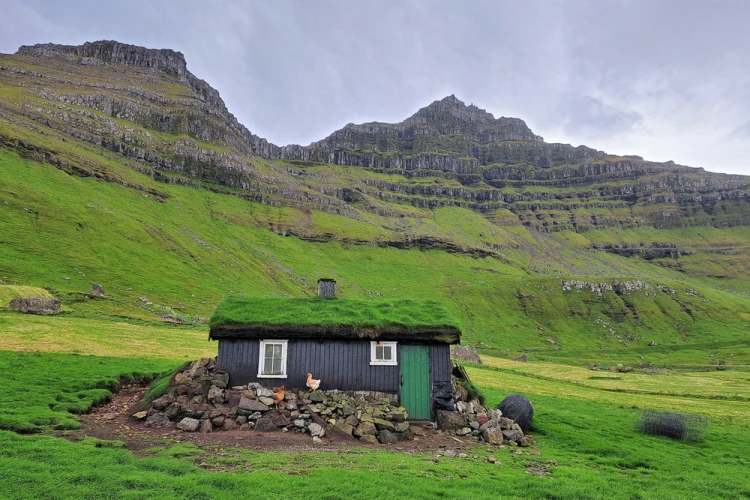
[(252, 405), (36, 306), (352, 420), (488, 425), (482, 418), (387, 437), (401, 426), (230, 424), (218, 421), (317, 440), (384, 425), (248, 426), (173, 411), (206, 427), (491, 459), (279, 420), (266, 424), (513, 435), (493, 436), (474, 425), (96, 289), (466, 354), (521, 358), (215, 394), (300, 424), (188, 424), (449, 420), (461, 407), (316, 397), (266, 401), (262, 392), (463, 432), (369, 438), (254, 416), (241, 420), (450, 453), (399, 414), (292, 406), (315, 429), (345, 428), (348, 410), (140, 415), (364, 429), (505, 423), (162, 402)]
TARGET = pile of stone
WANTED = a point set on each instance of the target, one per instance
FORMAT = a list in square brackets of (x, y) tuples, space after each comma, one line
[(470, 418), (198, 399), (370, 417)]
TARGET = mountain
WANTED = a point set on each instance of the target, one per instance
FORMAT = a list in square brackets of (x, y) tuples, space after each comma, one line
[(119, 165)]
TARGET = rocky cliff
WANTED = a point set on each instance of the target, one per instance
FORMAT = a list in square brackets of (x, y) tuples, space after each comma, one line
[(81, 107)]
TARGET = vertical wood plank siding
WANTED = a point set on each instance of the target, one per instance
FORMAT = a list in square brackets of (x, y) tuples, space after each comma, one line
[(339, 364), (440, 363)]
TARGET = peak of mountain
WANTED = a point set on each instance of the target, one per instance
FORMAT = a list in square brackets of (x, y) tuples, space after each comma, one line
[(110, 51), (446, 117)]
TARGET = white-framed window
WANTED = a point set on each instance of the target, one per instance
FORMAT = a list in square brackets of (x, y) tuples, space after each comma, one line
[(272, 359), (383, 353)]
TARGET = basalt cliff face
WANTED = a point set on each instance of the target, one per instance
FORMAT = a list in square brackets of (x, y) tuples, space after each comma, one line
[(84, 107)]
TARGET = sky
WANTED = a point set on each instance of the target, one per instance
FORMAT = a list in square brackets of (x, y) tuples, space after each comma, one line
[(663, 79)]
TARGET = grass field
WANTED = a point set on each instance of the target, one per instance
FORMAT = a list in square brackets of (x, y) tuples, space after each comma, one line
[(585, 428)]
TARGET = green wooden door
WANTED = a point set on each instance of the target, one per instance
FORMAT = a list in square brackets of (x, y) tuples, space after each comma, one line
[(415, 380)]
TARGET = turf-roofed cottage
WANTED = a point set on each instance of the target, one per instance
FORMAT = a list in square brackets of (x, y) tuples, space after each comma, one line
[(400, 347)]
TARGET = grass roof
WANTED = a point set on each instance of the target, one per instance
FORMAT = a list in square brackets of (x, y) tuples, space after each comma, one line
[(334, 315)]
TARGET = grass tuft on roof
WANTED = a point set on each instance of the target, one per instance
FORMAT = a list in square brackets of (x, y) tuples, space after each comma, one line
[(331, 315)]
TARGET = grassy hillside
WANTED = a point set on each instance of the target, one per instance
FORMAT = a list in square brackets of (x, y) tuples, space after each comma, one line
[(174, 258)]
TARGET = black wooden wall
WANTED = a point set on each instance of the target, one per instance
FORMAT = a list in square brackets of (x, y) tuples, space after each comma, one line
[(339, 364), (440, 363)]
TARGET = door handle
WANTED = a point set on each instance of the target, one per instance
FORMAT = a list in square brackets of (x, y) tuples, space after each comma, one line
[(402, 379)]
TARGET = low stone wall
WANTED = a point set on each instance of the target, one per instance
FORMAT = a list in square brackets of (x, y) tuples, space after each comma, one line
[(198, 399)]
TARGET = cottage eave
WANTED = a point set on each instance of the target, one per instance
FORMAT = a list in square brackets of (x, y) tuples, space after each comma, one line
[(443, 336)]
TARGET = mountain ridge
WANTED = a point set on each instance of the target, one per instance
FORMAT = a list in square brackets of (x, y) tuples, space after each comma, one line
[(146, 108)]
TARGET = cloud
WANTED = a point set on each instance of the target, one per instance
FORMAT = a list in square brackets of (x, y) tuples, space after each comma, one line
[(665, 80)]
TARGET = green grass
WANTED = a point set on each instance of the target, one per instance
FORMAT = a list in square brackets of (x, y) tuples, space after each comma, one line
[(10, 292), (588, 447), (334, 315), (44, 391)]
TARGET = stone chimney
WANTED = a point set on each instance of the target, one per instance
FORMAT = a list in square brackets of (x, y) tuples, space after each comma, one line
[(327, 288)]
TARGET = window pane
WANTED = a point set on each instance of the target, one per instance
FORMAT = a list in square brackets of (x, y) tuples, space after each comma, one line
[(277, 351), (268, 366), (387, 353), (379, 352), (269, 350), (277, 366)]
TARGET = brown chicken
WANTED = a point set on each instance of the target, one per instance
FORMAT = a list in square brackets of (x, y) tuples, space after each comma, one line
[(278, 396), (312, 383)]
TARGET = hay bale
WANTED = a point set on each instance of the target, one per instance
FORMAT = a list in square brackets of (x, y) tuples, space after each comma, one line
[(681, 426), (518, 408)]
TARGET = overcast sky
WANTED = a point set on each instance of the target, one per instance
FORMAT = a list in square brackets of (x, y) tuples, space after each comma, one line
[(667, 80)]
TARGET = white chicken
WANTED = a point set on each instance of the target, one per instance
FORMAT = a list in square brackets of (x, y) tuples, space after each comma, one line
[(312, 383)]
